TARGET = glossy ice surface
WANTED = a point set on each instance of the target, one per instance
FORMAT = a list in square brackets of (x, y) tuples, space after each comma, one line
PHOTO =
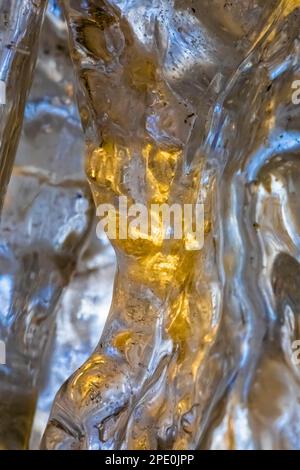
[(185, 101), (180, 101), (46, 221), (20, 23)]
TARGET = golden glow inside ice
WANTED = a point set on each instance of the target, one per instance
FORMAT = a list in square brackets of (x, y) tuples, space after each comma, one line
[(184, 325)]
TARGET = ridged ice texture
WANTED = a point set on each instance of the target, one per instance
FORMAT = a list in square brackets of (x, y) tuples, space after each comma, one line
[(53, 142), (20, 23), (187, 100)]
